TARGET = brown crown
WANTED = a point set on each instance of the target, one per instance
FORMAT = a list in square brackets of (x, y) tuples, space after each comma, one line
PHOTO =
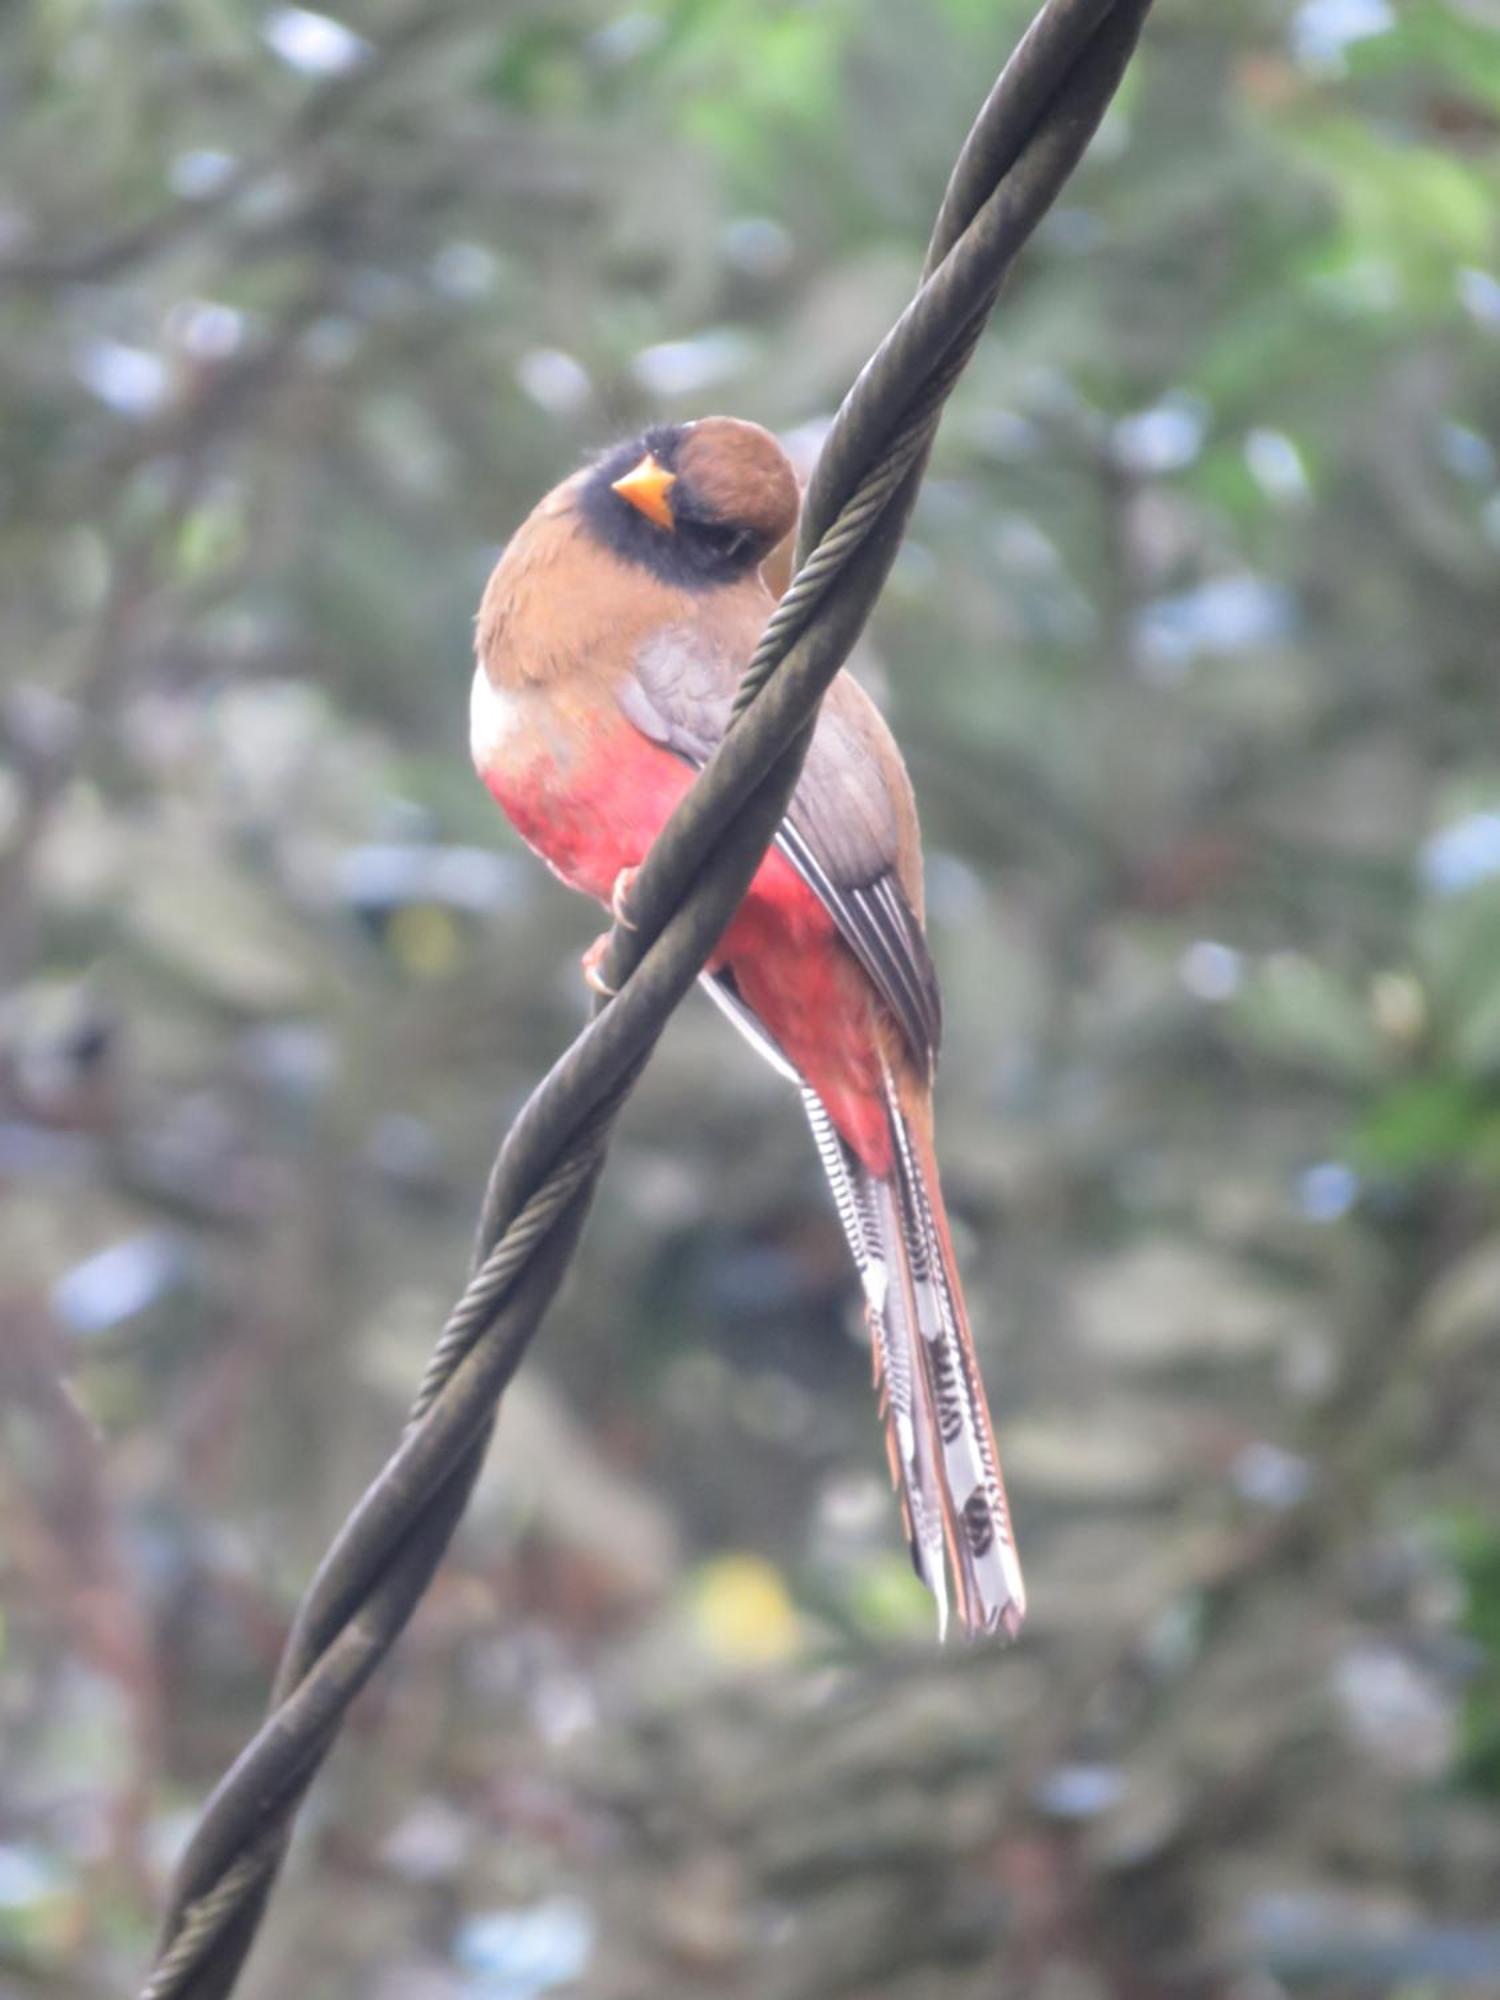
[(740, 473)]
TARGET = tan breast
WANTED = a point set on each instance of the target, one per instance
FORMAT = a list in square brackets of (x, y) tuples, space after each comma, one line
[(563, 624), (560, 604)]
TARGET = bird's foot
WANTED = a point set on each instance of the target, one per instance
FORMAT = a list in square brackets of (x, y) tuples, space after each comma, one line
[(619, 899), (593, 968), (619, 909)]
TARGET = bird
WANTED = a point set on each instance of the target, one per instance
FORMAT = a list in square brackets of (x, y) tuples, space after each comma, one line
[(609, 643)]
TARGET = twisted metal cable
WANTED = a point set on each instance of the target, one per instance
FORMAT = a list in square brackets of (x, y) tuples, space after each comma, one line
[(493, 1275), (1024, 144)]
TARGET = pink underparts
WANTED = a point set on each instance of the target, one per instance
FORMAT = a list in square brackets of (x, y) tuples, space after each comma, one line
[(592, 814)]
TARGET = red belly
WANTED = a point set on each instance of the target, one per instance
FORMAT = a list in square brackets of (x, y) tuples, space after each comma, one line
[(591, 814)]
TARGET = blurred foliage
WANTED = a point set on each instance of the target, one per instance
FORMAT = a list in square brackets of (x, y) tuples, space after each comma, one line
[(1477, 1555), (1192, 650)]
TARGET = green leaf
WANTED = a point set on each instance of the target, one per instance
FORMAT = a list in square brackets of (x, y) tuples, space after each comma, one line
[(1300, 1012), (1426, 1123)]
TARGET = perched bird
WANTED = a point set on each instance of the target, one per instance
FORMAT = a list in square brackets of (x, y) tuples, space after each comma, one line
[(610, 640)]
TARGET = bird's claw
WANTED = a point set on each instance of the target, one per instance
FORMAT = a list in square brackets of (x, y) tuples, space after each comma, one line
[(619, 909), (619, 899), (593, 968)]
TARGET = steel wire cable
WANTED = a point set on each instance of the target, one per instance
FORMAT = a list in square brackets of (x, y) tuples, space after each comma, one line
[(1023, 146)]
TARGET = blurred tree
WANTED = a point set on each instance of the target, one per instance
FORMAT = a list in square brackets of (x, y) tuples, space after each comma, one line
[(1192, 651)]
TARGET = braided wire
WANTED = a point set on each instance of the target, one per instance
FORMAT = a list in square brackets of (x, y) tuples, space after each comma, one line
[(495, 1273), (1025, 142), (821, 571), (206, 1917)]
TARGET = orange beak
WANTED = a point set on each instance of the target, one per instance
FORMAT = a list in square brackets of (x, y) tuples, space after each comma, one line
[(646, 487)]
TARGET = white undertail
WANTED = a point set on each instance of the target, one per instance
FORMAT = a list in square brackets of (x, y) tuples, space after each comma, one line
[(938, 1433), (938, 1437)]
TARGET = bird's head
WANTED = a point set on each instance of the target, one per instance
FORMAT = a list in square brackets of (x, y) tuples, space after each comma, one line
[(698, 504)]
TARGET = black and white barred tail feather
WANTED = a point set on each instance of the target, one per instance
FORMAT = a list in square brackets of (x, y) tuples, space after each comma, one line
[(939, 1439), (938, 1436)]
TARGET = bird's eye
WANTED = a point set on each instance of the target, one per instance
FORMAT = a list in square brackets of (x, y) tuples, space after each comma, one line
[(724, 538)]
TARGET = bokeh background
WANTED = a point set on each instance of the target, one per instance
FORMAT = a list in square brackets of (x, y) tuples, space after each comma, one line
[(1193, 652)]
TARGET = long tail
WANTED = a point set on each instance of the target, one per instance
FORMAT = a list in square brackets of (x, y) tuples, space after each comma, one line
[(939, 1438)]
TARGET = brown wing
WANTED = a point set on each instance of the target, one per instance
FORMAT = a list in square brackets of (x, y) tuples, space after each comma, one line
[(850, 830)]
